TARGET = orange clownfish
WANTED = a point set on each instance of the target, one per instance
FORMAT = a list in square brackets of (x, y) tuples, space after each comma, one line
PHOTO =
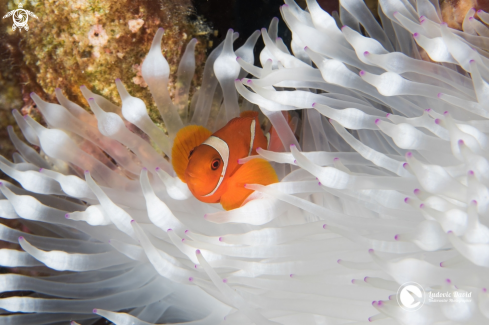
[(208, 163)]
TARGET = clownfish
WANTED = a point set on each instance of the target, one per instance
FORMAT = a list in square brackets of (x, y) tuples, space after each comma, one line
[(208, 163)]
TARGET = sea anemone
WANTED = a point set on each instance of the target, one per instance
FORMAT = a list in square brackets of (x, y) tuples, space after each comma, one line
[(383, 184)]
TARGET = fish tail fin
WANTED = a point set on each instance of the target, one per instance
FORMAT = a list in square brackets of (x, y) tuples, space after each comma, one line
[(186, 140), (255, 171)]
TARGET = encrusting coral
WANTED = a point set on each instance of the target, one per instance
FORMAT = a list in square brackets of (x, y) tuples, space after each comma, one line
[(387, 184)]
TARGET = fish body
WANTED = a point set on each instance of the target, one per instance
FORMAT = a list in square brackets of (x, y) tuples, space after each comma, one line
[(211, 168)]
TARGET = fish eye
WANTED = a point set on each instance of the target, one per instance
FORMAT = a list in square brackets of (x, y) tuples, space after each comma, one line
[(215, 164), (191, 152)]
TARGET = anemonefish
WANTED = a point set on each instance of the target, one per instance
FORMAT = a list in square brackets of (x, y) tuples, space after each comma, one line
[(208, 163)]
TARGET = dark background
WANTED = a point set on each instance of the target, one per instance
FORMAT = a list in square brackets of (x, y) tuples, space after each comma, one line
[(246, 16)]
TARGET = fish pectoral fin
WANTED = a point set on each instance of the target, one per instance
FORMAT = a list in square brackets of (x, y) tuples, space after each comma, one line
[(186, 140), (255, 171)]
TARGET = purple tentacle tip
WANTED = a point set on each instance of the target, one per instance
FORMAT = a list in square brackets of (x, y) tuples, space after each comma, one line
[(484, 289), (371, 250), (325, 226), (197, 251), (437, 121), (32, 93), (428, 110), (225, 280), (416, 191), (421, 206), (186, 231), (461, 142), (374, 302), (365, 279), (366, 53), (67, 216), (87, 171), (169, 229), (448, 281), (409, 154), (319, 183), (118, 79), (291, 275), (470, 18), (205, 216), (444, 24), (352, 281), (249, 81), (94, 311), (157, 168), (377, 121), (144, 168), (474, 202), (405, 165), (344, 26), (415, 35), (379, 303), (238, 57), (441, 264), (449, 232), (183, 239), (396, 237), (336, 159), (21, 238), (305, 48), (295, 161), (471, 172), (161, 28), (40, 170), (220, 238), (338, 261), (369, 319), (406, 200), (191, 279), (292, 145), (387, 115), (361, 72), (439, 95), (446, 112), (313, 104)]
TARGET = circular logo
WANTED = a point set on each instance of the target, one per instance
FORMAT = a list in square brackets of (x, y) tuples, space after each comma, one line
[(410, 296)]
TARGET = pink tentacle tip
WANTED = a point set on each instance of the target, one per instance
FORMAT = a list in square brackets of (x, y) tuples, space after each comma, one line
[(40, 170), (428, 110), (406, 200), (169, 229), (319, 183), (313, 105), (444, 24), (446, 113), (366, 53), (186, 231), (461, 142), (387, 115), (484, 290), (338, 261), (344, 26), (361, 72), (91, 99), (238, 57), (474, 202), (415, 35), (449, 232), (405, 165), (292, 145), (195, 266), (144, 168), (225, 280), (369, 319), (336, 159), (470, 18), (352, 281), (295, 161), (325, 226), (379, 303), (439, 95), (409, 154), (416, 191), (365, 279), (448, 281), (161, 28), (183, 239), (21, 238), (421, 206), (471, 172), (441, 264), (220, 239), (67, 216), (132, 221), (396, 237), (305, 48), (374, 302), (117, 79), (377, 121), (197, 251), (205, 216), (437, 121), (371, 250), (191, 279), (95, 311), (291, 275), (157, 168), (87, 172)]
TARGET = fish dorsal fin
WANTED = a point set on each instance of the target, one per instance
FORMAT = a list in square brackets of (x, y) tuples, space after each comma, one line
[(255, 171), (251, 114), (186, 140)]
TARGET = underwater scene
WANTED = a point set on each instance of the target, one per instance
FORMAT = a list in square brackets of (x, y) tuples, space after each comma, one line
[(244, 162)]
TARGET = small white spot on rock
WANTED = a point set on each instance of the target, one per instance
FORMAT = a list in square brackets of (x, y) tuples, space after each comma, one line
[(135, 24)]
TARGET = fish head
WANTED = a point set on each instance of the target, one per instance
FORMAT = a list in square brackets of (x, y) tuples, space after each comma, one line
[(203, 172)]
